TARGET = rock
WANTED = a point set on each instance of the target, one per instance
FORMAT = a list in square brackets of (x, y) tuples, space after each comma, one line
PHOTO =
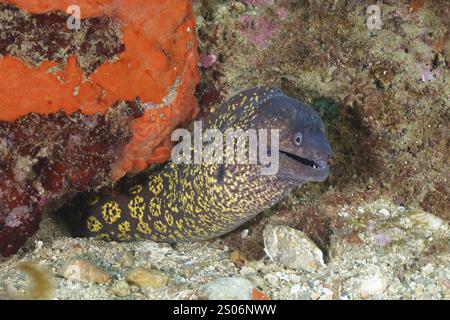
[(384, 213), (372, 286), (149, 279), (292, 248), (76, 251), (82, 270), (326, 294), (271, 279), (238, 258), (430, 222), (229, 289), (121, 289), (245, 233), (125, 259), (314, 296)]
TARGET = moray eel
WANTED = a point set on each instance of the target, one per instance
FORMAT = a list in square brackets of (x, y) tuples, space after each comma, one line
[(190, 202)]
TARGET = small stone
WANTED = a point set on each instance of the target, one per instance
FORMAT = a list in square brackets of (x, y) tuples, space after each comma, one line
[(76, 250), (429, 221), (38, 244), (149, 279), (229, 289), (405, 223), (372, 286), (296, 289), (428, 268), (292, 248), (238, 258), (246, 270), (384, 213), (82, 270), (121, 289), (314, 296), (125, 259), (326, 294), (271, 279), (418, 293)]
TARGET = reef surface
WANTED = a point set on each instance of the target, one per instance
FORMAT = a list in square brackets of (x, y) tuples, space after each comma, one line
[(380, 220)]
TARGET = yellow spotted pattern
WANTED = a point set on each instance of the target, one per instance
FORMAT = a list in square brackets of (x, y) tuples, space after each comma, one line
[(111, 212), (93, 224), (190, 202), (136, 206)]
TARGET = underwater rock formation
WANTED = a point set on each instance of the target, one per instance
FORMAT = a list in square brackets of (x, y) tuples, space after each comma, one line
[(83, 106), (383, 94)]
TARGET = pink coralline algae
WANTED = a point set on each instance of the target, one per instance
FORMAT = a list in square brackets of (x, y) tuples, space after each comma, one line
[(258, 29), (282, 13), (207, 60)]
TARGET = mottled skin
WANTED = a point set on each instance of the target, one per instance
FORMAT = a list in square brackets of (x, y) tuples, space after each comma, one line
[(189, 202)]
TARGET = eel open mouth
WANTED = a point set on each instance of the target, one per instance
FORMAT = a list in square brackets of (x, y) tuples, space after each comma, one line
[(315, 164)]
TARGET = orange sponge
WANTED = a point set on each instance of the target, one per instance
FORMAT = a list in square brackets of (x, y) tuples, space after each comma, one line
[(158, 65)]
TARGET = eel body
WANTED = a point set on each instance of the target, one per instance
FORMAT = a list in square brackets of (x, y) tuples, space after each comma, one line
[(190, 202)]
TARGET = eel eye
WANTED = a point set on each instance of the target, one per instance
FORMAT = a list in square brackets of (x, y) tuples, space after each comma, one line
[(298, 138)]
